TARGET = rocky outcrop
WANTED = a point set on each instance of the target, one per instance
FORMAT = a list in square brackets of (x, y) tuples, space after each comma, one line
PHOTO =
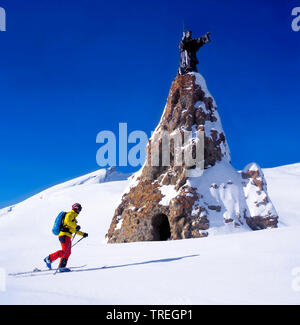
[(262, 211), (196, 197)]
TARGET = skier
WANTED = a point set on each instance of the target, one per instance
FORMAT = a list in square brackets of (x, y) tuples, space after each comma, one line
[(69, 227)]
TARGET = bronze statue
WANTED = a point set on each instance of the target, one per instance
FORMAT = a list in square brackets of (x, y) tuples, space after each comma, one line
[(188, 48)]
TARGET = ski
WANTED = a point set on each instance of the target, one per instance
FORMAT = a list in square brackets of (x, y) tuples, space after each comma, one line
[(88, 269), (37, 271), (83, 269)]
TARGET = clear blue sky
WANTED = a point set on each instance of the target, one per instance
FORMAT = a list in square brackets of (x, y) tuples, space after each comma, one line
[(70, 68)]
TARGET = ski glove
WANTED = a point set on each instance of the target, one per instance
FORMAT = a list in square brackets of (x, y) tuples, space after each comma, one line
[(77, 228), (85, 235)]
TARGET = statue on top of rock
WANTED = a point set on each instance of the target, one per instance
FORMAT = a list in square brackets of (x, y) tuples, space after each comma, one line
[(188, 51)]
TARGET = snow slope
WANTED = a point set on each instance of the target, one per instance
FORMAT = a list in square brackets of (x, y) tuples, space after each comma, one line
[(240, 268)]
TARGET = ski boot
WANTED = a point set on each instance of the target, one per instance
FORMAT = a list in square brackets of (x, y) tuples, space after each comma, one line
[(62, 266), (48, 262), (63, 269)]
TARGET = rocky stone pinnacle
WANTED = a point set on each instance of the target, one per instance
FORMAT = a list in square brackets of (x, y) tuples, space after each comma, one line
[(208, 196)]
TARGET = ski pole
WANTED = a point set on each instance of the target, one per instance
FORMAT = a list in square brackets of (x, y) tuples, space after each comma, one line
[(78, 241), (65, 253)]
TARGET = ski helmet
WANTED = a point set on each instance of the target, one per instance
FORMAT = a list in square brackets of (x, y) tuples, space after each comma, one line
[(76, 207)]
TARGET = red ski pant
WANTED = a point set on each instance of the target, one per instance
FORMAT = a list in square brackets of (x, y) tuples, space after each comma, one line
[(65, 252)]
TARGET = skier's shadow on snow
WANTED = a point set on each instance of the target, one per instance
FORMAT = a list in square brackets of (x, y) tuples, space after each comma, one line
[(164, 260)]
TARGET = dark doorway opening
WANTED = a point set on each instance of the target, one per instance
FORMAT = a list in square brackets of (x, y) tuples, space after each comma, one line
[(161, 227)]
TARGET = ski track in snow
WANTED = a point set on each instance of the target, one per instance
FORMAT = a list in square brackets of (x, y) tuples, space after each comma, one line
[(241, 268)]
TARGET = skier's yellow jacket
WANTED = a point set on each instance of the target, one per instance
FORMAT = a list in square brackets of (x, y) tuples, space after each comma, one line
[(69, 225)]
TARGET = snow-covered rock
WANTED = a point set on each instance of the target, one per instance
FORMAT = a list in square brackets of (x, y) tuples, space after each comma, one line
[(261, 210), (191, 200)]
